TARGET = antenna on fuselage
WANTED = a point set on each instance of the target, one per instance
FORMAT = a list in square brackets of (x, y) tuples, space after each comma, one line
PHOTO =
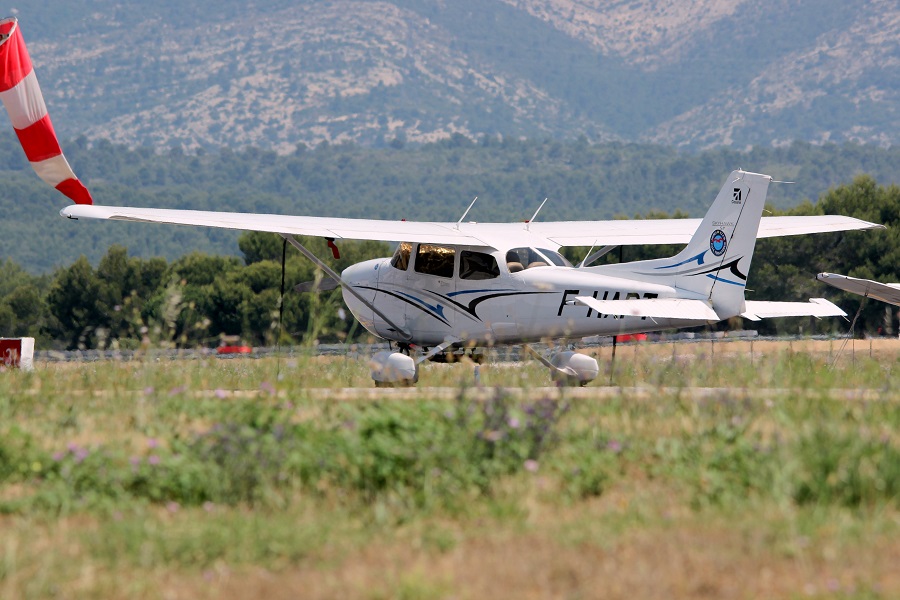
[(534, 216), (467, 212)]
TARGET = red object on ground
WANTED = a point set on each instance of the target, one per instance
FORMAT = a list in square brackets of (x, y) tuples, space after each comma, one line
[(17, 353), (10, 350), (631, 337), (234, 350)]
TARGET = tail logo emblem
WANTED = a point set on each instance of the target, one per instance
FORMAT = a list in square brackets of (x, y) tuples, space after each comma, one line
[(718, 243), (736, 196)]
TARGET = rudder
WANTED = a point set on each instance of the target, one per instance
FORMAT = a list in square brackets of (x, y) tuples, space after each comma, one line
[(715, 263)]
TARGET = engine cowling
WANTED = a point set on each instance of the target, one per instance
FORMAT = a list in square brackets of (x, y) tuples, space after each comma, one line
[(393, 369), (573, 368)]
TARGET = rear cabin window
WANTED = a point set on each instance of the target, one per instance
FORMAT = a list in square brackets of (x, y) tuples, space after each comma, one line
[(400, 259), (477, 265), (435, 260)]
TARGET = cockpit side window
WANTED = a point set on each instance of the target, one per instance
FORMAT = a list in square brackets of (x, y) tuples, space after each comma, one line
[(400, 260), (555, 257), (518, 259), (477, 265), (435, 260)]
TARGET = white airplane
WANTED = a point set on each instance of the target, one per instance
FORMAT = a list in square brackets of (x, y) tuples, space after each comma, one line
[(466, 283), (886, 292)]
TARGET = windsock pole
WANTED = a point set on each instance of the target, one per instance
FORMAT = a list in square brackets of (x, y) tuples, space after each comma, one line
[(21, 95)]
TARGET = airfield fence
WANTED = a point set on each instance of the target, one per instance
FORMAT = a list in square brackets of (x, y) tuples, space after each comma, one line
[(507, 353)]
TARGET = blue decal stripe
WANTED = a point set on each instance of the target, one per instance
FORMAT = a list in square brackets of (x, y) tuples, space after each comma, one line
[(452, 294), (698, 258), (438, 309), (725, 280)]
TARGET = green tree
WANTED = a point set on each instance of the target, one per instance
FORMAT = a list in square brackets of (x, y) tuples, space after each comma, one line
[(73, 303), (29, 309)]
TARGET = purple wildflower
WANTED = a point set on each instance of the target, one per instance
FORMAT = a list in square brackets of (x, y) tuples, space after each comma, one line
[(173, 507), (58, 456), (221, 394), (614, 446), (153, 459), (531, 465), (153, 443), (267, 387)]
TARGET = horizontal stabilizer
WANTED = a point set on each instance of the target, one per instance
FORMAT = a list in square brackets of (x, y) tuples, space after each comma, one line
[(886, 292), (816, 307), (654, 308)]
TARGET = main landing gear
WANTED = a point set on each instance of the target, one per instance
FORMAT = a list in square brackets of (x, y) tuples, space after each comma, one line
[(401, 368), (569, 368)]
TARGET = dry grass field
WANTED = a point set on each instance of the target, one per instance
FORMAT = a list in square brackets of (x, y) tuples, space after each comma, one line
[(705, 470)]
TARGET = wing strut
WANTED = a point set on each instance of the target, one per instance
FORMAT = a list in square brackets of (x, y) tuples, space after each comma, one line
[(598, 254), (331, 273)]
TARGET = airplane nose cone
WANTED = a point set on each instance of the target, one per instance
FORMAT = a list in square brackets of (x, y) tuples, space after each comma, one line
[(363, 278), (364, 273)]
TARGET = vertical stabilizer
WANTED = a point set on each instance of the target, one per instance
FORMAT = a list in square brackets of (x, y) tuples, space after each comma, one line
[(715, 263), (21, 95)]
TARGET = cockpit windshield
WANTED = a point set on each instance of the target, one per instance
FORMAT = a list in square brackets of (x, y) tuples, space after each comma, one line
[(400, 260)]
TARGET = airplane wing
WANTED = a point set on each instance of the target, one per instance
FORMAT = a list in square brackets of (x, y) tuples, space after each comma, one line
[(679, 231), (558, 233), (329, 227), (886, 292), (816, 307)]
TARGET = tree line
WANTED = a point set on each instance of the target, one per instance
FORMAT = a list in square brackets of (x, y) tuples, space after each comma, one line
[(197, 300), (200, 299)]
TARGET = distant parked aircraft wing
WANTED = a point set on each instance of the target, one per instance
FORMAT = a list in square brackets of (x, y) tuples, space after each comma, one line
[(885, 292)]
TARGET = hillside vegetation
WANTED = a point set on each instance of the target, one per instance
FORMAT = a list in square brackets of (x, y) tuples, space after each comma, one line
[(434, 182)]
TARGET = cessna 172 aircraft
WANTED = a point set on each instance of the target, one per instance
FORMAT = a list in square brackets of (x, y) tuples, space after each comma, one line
[(470, 283), (465, 283)]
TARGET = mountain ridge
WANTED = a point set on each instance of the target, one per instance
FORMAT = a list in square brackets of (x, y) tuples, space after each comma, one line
[(275, 74)]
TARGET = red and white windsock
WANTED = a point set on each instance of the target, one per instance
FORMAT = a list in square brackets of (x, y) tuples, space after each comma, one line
[(21, 95)]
